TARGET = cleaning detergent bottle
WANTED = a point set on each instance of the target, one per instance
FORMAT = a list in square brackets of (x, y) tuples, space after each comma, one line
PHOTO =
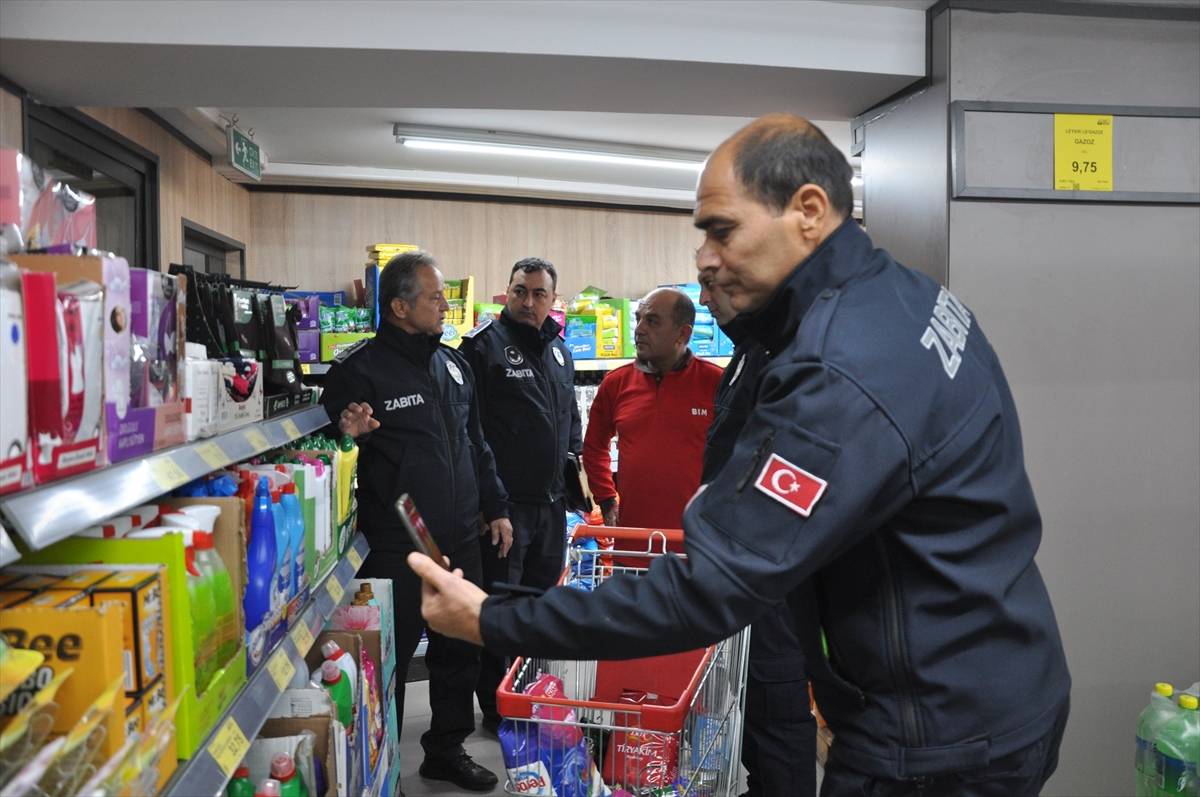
[(283, 769), (335, 681), (332, 651), (1179, 752), (202, 607), (347, 462), (260, 571), (269, 787), (211, 566), (204, 614), (240, 785), (1161, 709), (295, 526), (283, 555), (324, 512)]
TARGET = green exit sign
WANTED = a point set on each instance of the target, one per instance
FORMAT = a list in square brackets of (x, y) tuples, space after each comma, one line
[(244, 154)]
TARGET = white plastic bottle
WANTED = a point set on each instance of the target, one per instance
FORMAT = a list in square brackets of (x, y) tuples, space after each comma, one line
[(332, 651)]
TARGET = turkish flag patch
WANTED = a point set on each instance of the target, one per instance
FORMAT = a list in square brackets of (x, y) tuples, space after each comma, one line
[(790, 485)]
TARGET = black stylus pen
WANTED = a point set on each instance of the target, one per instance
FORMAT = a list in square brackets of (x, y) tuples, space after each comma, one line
[(517, 589)]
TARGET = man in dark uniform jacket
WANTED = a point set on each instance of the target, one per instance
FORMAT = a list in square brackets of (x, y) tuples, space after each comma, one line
[(410, 403), (525, 384), (879, 485), (779, 745)]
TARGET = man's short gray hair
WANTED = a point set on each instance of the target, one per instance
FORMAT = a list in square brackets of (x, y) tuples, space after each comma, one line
[(400, 279)]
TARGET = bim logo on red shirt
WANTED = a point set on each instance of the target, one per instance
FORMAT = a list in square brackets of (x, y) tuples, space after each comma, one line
[(790, 485)]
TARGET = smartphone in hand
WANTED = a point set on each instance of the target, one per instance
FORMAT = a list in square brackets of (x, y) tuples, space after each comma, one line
[(417, 530)]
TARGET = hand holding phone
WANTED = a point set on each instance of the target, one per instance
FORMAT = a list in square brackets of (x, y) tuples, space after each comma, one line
[(417, 530)]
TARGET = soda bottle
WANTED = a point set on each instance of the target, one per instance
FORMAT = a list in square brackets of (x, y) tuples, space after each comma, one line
[(1151, 720), (1178, 751)]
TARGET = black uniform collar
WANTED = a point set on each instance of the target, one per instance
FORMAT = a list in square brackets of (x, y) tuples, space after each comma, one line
[(836, 260), (536, 339), (736, 329), (417, 347)]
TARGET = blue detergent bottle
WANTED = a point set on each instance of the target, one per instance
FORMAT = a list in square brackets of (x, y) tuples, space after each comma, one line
[(260, 571), (283, 553), (295, 525)]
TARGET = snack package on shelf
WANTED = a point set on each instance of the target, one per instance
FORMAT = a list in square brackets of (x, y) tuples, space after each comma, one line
[(460, 295)]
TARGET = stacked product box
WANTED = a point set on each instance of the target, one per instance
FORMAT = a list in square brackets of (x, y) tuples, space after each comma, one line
[(378, 256), (197, 712), (97, 626), (460, 318), (124, 395)]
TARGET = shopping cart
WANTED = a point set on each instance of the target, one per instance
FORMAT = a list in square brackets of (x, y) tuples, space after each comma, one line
[(647, 725)]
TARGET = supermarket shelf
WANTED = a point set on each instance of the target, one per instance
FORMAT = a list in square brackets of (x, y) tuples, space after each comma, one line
[(204, 772), (49, 513), (318, 369), (611, 364), (8, 551)]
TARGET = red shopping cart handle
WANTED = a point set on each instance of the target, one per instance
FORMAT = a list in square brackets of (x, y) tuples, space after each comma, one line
[(629, 533)]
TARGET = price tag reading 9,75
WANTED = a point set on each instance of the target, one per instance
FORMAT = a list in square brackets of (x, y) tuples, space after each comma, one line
[(229, 747), (355, 559), (302, 637), (335, 590), (281, 669), (290, 427)]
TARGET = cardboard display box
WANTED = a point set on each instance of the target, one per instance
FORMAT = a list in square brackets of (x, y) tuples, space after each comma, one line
[(323, 747)]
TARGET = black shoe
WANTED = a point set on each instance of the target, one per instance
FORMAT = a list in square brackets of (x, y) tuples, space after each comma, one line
[(492, 725), (461, 771)]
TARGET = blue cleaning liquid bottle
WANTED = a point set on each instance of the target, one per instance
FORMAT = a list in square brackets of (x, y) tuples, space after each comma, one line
[(283, 554), (295, 520), (260, 571)]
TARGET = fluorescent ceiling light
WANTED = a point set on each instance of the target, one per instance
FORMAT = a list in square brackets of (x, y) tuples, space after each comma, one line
[(507, 144), (856, 180)]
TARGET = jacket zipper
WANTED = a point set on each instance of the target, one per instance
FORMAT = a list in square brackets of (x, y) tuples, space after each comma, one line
[(553, 403), (896, 649), (437, 403)]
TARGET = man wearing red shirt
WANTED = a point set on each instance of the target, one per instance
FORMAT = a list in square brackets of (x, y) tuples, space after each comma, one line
[(659, 407)]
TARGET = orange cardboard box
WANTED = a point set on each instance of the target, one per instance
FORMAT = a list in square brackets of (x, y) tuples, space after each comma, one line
[(139, 591)]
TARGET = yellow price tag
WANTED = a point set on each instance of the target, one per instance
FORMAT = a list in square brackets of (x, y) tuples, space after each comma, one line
[(1083, 159), (257, 439), (167, 473), (289, 426), (335, 589), (213, 455), (281, 669), (302, 637), (229, 747), (306, 368), (355, 559)]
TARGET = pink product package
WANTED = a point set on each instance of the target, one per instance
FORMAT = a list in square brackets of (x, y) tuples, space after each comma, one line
[(39, 212), (154, 326)]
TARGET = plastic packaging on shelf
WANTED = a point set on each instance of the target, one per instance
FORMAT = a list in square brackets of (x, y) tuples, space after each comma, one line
[(347, 463), (1161, 709), (344, 661), (283, 769), (268, 788), (1178, 747), (14, 424), (240, 785), (294, 517)]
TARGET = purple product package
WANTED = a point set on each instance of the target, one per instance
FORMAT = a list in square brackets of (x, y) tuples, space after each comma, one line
[(310, 345), (310, 311)]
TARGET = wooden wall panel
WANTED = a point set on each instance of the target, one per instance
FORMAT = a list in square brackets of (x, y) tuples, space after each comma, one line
[(188, 187), (318, 241), (12, 133)]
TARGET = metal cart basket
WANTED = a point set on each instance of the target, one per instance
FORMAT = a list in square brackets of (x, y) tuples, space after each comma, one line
[(668, 725)]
